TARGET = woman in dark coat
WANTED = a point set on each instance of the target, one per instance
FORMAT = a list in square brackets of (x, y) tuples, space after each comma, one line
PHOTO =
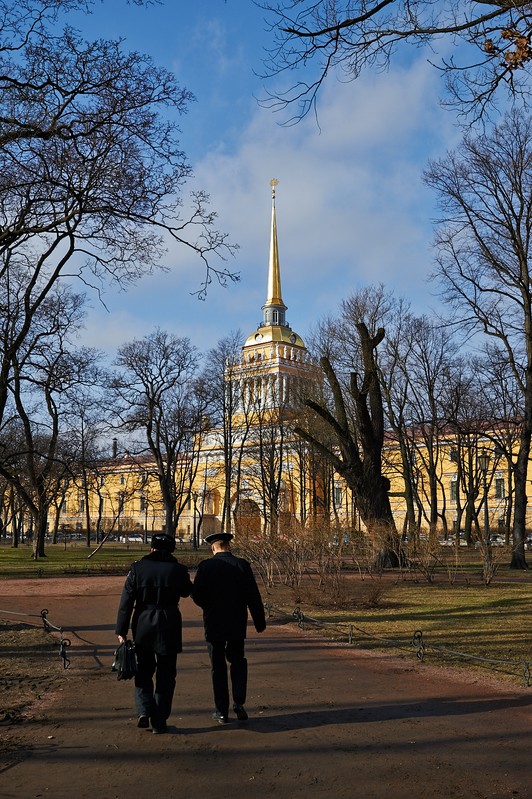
[(151, 593)]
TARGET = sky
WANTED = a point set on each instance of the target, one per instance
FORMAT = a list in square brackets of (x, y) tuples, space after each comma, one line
[(352, 209)]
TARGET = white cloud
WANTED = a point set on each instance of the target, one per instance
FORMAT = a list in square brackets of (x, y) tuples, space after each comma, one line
[(351, 206)]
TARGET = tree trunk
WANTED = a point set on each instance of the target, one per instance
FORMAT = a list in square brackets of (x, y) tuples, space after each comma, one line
[(40, 528), (518, 560), (360, 459), (407, 479)]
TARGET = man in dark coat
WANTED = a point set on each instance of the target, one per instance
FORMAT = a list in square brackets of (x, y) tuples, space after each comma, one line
[(225, 589), (151, 593)]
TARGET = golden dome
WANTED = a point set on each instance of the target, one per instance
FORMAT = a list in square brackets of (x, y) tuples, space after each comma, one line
[(269, 334)]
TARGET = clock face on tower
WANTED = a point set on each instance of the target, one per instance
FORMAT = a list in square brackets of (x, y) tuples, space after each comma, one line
[(258, 336), (293, 338)]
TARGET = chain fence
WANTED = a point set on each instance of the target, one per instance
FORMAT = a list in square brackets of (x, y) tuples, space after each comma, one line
[(64, 642), (350, 633), (417, 642)]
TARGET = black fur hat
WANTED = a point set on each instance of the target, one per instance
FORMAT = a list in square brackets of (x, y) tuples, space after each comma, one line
[(163, 542)]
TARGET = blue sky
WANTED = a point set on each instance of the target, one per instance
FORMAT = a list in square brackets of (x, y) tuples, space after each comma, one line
[(351, 206)]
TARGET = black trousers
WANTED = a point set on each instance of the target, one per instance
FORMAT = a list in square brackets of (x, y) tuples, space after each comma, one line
[(157, 704), (221, 653)]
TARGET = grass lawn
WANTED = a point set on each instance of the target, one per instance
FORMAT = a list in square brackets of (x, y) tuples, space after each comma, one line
[(463, 623), (75, 558)]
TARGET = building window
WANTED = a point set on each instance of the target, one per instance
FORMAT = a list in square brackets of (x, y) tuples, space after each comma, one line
[(500, 492), (143, 503), (453, 455), (454, 490), (338, 496)]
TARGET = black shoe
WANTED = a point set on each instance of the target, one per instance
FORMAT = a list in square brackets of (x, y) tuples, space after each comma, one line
[(159, 729), (240, 712), (143, 721), (221, 718)]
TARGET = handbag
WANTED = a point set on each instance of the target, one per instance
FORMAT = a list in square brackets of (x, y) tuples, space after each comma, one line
[(125, 662)]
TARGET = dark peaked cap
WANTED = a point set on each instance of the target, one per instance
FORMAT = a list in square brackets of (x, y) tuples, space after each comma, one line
[(210, 539)]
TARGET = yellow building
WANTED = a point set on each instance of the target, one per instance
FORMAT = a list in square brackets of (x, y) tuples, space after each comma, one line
[(122, 497), (270, 482)]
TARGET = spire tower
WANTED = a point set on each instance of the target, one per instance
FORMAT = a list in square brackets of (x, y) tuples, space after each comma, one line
[(274, 361), (274, 308), (274, 327)]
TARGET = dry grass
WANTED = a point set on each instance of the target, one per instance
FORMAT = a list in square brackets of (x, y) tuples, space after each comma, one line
[(27, 669)]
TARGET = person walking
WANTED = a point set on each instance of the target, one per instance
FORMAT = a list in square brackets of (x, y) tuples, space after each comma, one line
[(150, 598), (225, 589)]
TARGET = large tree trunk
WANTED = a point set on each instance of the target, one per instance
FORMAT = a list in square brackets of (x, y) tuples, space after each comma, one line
[(360, 459)]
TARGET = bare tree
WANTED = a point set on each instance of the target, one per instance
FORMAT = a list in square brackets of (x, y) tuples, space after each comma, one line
[(92, 173), (87, 425), (157, 392), (491, 39), (468, 430), (266, 460), (483, 251), (428, 370), (358, 441), (504, 401), (230, 422), (381, 308), (44, 372)]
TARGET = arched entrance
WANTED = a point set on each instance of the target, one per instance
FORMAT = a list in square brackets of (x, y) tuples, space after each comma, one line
[(248, 519)]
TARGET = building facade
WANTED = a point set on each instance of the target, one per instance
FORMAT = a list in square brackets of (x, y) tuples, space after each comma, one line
[(255, 477)]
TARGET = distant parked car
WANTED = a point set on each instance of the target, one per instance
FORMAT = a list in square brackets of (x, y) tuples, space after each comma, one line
[(496, 541), (451, 541)]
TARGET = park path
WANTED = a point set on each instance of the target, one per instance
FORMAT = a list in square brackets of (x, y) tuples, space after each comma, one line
[(326, 720)]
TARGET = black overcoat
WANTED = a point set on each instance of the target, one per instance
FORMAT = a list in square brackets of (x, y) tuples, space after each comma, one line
[(225, 589), (151, 593)]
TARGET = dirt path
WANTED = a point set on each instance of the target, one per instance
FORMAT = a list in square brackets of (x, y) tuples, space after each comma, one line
[(326, 720)]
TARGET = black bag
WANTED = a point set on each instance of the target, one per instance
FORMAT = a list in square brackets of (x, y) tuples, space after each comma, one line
[(125, 662)]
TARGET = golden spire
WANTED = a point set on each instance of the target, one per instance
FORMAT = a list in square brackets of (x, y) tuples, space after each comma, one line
[(274, 296), (274, 328)]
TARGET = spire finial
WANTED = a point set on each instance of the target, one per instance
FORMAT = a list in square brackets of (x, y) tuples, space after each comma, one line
[(273, 183)]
